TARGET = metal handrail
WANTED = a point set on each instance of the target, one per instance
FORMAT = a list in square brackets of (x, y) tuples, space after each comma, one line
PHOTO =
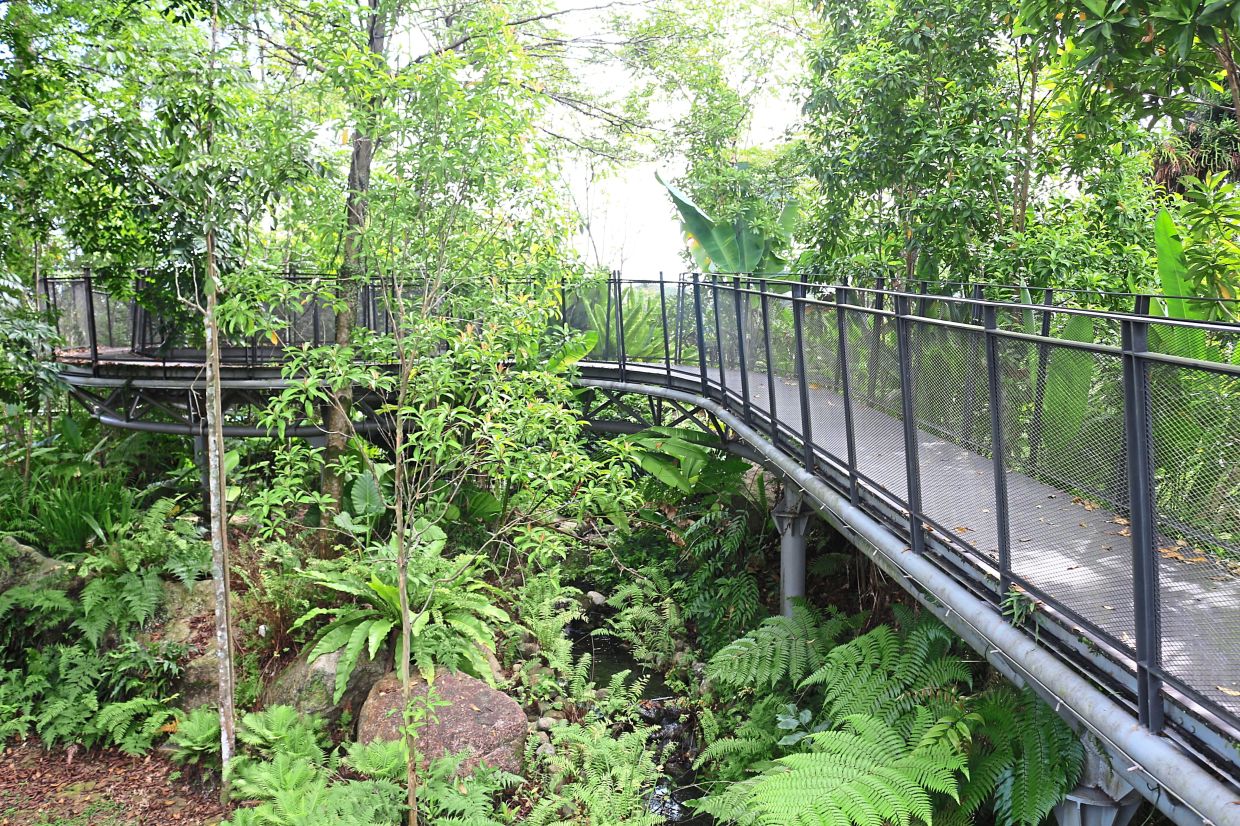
[(730, 311), (773, 352)]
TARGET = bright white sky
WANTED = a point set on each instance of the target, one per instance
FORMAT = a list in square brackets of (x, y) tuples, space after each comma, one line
[(632, 223)]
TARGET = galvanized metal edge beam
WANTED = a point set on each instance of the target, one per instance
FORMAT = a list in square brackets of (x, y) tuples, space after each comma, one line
[(1192, 795)]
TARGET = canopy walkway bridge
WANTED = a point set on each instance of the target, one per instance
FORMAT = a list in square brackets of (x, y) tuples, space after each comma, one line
[(1060, 484)]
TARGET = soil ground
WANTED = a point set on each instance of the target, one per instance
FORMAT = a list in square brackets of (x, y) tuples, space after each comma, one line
[(104, 787)]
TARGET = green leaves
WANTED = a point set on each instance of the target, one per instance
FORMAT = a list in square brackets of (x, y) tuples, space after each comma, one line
[(572, 352), (366, 497), (453, 617), (736, 247)]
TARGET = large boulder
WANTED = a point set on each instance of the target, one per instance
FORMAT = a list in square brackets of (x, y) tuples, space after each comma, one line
[(23, 565), (199, 684), (189, 619), (482, 721), (309, 687)]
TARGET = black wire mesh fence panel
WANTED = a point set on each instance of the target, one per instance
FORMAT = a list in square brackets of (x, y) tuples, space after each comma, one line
[(1195, 424), (1067, 481), (951, 405), (67, 301), (781, 330), (682, 320), (756, 356), (821, 345), (874, 379)]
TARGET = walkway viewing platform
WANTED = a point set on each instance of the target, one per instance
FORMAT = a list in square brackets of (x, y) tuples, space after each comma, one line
[(1075, 469)]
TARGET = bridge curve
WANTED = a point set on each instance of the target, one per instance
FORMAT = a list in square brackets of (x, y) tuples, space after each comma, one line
[(996, 457), (1077, 469)]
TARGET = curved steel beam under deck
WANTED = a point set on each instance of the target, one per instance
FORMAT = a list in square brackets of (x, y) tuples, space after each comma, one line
[(1154, 765)]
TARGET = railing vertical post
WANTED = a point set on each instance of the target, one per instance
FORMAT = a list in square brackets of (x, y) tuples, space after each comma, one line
[(842, 294), (798, 322), (315, 317), (667, 344), (764, 300), (680, 318), (877, 339), (1039, 384), (970, 402), (607, 313), (998, 450), (620, 355), (1139, 437), (904, 351), (740, 348), (701, 334), (714, 300), (91, 336)]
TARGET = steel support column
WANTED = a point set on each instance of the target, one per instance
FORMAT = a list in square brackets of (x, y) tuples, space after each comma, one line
[(791, 518), (1102, 797)]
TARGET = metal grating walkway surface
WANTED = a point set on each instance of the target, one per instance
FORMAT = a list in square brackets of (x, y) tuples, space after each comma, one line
[(1078, 460)]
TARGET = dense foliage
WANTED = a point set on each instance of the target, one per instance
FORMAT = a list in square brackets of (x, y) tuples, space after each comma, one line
[(378, 193)]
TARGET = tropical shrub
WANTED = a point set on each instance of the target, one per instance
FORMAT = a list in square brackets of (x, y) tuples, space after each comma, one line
[(454, 618)]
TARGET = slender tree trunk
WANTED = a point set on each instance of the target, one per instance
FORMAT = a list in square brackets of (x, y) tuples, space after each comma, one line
[(401, 504), (1227, 57), (1020, 198), (216, 475), (219, 520), (336, 419)]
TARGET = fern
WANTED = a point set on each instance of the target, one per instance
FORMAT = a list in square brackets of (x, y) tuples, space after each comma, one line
[(888, 675), (1034, 756), (648, 618), (898, 739), (596, 775), (29, 610), (118, 603), (283, 730), (17, 703), (865, 773), (134, 724), (753, 742), (196, 739), (545, 608), (300, 787), (782, 650)]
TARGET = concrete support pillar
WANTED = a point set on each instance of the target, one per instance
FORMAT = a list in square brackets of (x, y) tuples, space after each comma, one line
[(791, 516), (1102, 798)]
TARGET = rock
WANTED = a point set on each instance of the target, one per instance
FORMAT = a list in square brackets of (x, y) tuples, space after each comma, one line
[(497, 670), (185, 608), (183, 605), (309, 687), (23, 565), (546, 750), (546, 723), (596, 599), (480, 720), (199, 682)]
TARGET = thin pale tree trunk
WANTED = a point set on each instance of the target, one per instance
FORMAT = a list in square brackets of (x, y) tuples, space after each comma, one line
[(219, 520), (402, 557), (217, 482)]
